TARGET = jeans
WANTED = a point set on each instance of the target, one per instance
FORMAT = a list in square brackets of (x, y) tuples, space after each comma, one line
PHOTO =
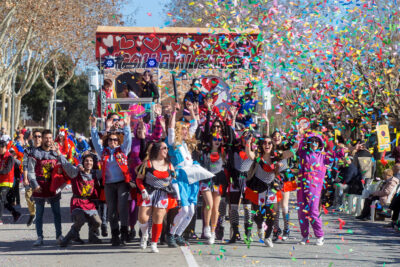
[(55, 208), (117, 195), (102, 210), (4, 203)]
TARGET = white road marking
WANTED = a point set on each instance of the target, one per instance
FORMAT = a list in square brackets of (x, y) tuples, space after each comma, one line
[(189, 256)]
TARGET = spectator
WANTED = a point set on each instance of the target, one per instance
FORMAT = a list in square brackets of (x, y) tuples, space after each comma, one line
[(395, 207), (348, 177), (396, 153), (390, 183), (149, 89), (364, 161)]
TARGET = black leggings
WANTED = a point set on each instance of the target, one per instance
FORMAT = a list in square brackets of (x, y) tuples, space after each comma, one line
[(266, 212)]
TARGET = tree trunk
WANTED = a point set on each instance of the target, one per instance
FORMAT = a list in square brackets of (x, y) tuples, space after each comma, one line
[(49, 118), (3, 109), (17, 110), (9, 113)]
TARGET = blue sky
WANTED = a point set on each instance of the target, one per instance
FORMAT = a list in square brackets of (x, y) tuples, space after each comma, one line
[(144, 7)]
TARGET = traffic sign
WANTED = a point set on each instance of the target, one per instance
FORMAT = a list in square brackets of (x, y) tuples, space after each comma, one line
[(151, 63)]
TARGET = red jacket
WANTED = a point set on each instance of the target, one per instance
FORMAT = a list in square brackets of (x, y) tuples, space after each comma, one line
[(7, 170)]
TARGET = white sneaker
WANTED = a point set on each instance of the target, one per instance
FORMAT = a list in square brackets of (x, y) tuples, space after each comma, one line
[(38, 242), (304, 241), (260, 233), (143, 241), (59, 240), (320, 241), (211, 240), (153, 246), (207, 232), (268, 242)]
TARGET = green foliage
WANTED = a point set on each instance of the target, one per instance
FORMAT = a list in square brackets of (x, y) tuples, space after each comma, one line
[(75, 99), (380, 168)]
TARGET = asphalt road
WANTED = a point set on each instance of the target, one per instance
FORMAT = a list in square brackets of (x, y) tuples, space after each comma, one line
[(356, 244)]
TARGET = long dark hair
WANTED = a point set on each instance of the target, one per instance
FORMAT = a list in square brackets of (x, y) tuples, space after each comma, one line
[(155, 149), (151, 76), (220, 123)]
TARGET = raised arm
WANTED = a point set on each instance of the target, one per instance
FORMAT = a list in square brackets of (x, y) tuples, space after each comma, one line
[(250, 153), (95, 136), (126, 145)]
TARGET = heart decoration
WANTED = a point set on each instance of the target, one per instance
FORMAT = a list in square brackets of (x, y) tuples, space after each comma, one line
[(175, 47), (125, 44), (109, 41), (152, 44), (210, 84), (147, 201), (110, 50), (187, 41), (139, 43), (118, 38), (163, 202), (163, 39), (102, 51), (141, 37), (262, 200)]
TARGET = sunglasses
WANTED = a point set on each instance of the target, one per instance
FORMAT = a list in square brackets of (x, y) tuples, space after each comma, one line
[(268, 143), (113, 139), (217, 139), (37, 136), (163, 148), (116, 120), (217, 126)]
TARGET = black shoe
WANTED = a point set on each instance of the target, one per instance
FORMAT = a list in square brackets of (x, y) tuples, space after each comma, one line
[(285, 235), (93, 239), (30, 220), (368, 218), (124, 235), (219, 233), (70, 236), (360, 217), (115, 241), (78, 240), (171, 241), (385, 214), (16, 216), (180, 241), (235, 234), (104, 232), (276, 235), (132, 234)]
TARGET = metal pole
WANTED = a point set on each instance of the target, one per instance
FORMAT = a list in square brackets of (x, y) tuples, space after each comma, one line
[(55, 109)]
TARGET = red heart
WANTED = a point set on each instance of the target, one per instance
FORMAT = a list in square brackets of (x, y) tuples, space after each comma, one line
[(125, 44), (262, 200), (152, 44), (243, 155), (163, 202), (210, 84), (147, 201), (175, 47), (271, 198)]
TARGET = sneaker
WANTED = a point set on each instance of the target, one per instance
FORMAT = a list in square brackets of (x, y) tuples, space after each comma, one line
[(170, 240), (16, 216), (211, 240), (143, 241), (260, 233), (38, 242), (153, 247), (180, 241), (268, 242), (277, 233), (304, 241), (285, 235), (30, 220), (361, 217), (207, 232), (59, 239), (320, 241)]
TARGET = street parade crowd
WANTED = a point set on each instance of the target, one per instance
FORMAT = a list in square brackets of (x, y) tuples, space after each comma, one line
[(191, 160)]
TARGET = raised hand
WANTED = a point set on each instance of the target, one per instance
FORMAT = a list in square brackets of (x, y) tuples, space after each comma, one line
[(157, 109), (92, 120)]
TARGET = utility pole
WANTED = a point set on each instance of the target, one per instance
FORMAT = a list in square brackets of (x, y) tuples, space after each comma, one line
[(55, 109)]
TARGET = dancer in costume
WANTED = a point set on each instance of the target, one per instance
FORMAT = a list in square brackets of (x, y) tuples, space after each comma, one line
[(154, 181), (189, 173), (83, 207)]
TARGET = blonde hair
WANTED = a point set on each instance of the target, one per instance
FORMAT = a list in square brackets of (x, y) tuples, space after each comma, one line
[(388, 172), (191, 142)]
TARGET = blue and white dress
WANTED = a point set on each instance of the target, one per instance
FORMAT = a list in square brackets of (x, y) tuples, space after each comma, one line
[(188, 172)]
